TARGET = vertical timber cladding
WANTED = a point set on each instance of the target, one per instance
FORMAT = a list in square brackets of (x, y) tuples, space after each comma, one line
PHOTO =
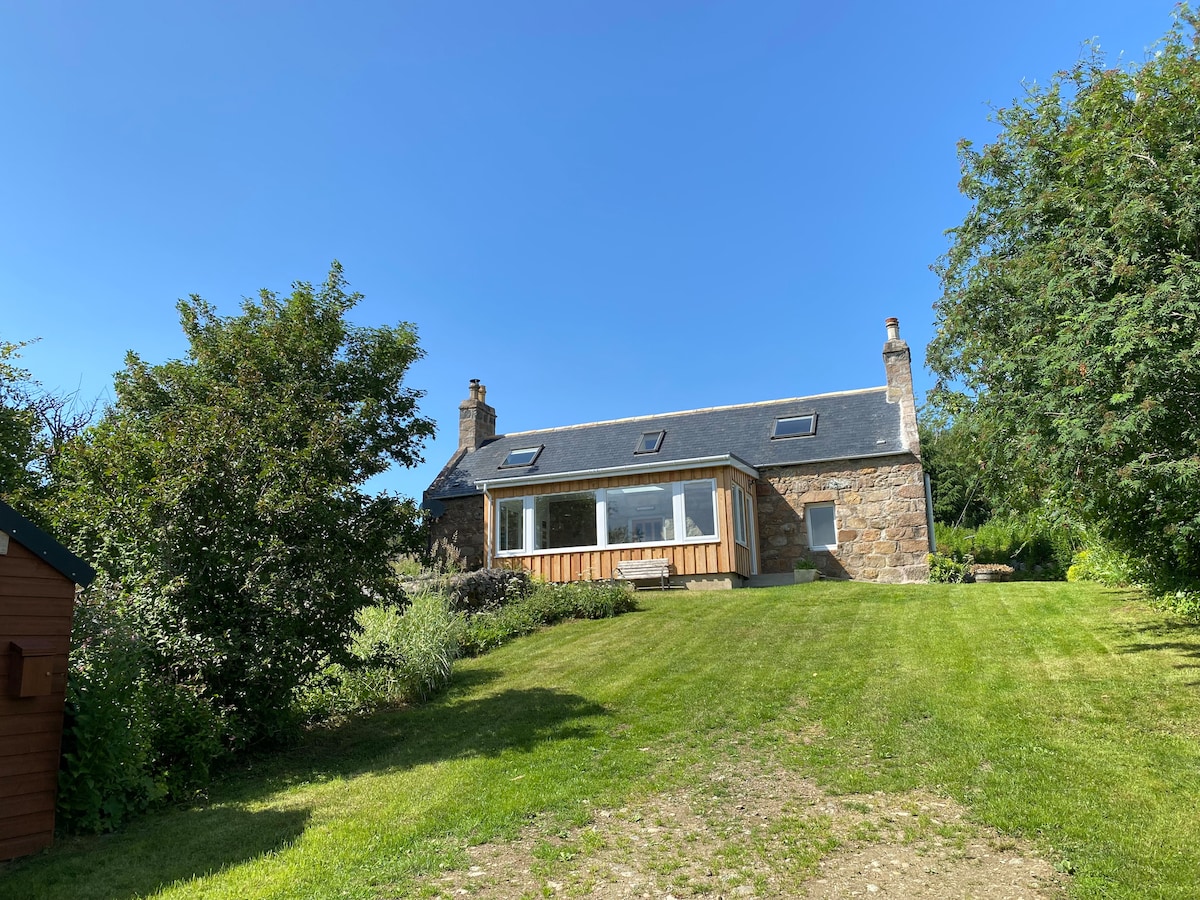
[(36, 606), (717, 557), (745, 566)]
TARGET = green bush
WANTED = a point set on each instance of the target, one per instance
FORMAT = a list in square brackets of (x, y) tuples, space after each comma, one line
[(1099, 563), (186, 737), (397, 655), (129, 740), (1183, 601), (1036, 544), (104, 776), (948, 570), (545, 605)]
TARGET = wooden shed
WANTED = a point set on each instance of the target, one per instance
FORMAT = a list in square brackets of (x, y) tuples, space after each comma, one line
[(38, 576)]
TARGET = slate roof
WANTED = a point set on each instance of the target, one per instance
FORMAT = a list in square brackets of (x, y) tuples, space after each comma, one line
[(850, 425), (37, 542)]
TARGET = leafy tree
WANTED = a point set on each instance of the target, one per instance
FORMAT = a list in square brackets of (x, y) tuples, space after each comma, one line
[(18, 429), (1069, 323), (957, 477), (223, 494), (35, 424)]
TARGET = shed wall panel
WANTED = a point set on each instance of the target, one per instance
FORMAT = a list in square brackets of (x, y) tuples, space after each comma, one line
[(36, 605), (28, 783), (23, 846), (33, 742), (28, 824)]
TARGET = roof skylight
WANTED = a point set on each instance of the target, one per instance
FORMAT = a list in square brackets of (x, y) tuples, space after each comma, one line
[(522, 457), (649, 442), (795, 426)]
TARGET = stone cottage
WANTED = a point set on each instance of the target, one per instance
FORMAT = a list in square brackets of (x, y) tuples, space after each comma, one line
[(728, 496)]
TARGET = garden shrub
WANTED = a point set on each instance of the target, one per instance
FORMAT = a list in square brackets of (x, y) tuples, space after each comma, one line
[(104, 776), (1183, 601), (546, 604), (1036, 544), (130, 740), (187, 737), (1101, 564), (948, 570), (397, 655)]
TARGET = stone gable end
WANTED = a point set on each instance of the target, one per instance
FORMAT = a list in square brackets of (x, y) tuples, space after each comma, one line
[(882, 521)]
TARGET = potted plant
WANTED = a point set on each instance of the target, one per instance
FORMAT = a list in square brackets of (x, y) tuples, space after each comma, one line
[(805, 571), (987, 572)]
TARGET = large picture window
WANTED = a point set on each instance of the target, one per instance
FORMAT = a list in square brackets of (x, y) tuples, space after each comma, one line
[(700, 517), (639, 514), (565, 520), (672, 512)]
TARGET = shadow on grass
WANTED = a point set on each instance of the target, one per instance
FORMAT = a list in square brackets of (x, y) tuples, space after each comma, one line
[(156, 852), (1180, 638), (463, 722), (456, 724)]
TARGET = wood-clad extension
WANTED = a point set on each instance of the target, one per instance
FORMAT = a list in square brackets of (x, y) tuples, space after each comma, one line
[(721, 555)]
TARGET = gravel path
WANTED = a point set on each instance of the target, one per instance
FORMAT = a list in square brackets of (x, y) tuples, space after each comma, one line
[(743, 832)]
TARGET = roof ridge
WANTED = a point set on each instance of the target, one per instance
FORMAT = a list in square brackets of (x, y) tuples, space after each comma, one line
[(688, 412)]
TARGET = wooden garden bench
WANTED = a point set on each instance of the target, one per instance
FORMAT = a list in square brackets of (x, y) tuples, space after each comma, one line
[(644, 569)]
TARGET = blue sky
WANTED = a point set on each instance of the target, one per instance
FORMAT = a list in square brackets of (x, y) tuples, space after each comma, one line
[(600, 209)]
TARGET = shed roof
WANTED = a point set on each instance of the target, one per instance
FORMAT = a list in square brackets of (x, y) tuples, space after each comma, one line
[(36, 541), (850, 425)]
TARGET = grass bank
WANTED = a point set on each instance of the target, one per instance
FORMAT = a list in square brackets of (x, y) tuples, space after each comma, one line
[(1063, 714)]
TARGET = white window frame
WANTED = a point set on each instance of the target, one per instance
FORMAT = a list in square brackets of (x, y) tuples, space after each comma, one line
[(812, 545), (678, 512), (740, 534), (525, 513)]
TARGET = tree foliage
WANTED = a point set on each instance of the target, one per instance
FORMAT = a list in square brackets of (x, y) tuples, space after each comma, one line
[(1069, 323), (18, 429), (957, 477), (222, 493)]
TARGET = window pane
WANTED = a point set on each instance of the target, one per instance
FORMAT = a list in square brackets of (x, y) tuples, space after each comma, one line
[(642, 513), (565, 520), (510, 525), (739, 516), (822, 531), (650, 442), (698, 509), (794, 426), (523, 457)]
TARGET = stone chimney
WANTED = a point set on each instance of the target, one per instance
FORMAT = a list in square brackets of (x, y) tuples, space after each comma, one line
[(897, 361), (476, 420)]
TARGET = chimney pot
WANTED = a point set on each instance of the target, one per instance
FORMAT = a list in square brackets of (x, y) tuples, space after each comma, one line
[(476, 420), (893, 329)]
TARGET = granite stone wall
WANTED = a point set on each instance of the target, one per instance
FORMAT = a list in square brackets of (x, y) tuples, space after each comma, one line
[(882, 529), (456, 536)]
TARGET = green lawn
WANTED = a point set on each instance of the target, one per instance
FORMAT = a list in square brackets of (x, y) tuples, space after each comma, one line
[(1062, 714)]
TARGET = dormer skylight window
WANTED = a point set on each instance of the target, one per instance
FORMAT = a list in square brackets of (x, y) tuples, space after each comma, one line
[(795, 426), (518, 458), (650, 442)]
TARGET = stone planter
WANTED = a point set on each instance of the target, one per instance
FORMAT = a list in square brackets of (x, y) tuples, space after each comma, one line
[(805, 576), (989, 577)]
